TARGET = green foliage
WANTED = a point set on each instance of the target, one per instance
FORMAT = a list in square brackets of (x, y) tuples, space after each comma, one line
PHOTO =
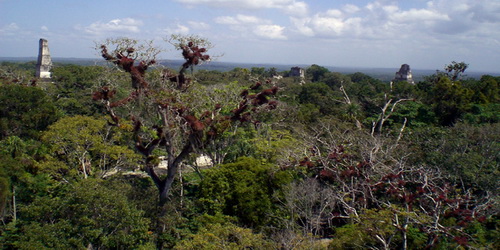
[(320, 95), (308, 113), (468, 154), (416, 238), (485, 234), (452, 132), (315, 73), (20, 172), (349, 236), (72, 88), (486, 90), (25, 111), (417, 115), (17, 73), (334, 80), (225, 236), (4, 190), (240, 144), (372, 227), (89, 214), (257, 71), (368, 92), (455, 70), (211, 77), (73, 77), (483, 113), (242, 189), (450, 100), (276, 145), (403, 89), (87, 144)]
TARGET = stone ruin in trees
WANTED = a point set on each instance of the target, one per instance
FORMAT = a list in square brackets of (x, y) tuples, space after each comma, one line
[(404, 74), (297, 71), (44, 62)]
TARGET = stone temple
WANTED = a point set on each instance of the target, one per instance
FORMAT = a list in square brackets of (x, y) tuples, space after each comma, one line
[(297, 71), (404, 74), (44, 62)]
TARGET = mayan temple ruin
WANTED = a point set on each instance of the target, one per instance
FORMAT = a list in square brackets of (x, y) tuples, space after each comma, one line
[(44, 62), (297, 71), (404, 74)]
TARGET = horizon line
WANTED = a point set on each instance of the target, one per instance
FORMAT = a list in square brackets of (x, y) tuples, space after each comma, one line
[(5, 58)]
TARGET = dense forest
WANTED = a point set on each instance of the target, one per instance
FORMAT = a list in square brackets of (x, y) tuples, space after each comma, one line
[(134, 155)]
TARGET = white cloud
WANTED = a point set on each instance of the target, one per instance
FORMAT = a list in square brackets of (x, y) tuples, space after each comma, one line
[(302, 26), (226, 20), (248, 19), (350, 8), (246, 4), (291, 7), (178, 29), (416, 15), (239, 20), (9, 29), (382, 19), (328, 25), (246, 24), (125, 25), (296, 9), (199, 25), (334, 13), (270, 32)]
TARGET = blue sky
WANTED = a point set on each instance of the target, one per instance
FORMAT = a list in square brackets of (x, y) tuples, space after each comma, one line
[(366, 33)]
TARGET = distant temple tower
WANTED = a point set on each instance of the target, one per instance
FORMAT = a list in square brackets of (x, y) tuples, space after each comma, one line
[(44, 62), (404, 74), (297, 71)]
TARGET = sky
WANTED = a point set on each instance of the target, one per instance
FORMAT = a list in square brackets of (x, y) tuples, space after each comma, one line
[(366, 33)]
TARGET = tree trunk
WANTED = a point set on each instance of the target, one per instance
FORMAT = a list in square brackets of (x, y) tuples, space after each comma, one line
[(14, 205), (173, 166)]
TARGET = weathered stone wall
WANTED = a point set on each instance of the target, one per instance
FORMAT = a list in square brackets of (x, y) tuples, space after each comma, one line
[(44, 62), (404, 74), (297, 71)]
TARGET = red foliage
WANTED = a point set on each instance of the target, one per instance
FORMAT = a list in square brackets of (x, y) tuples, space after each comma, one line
[(461, 240), (244, 93), (306, 162), (256, 86), (272, 105), (194, 123), (137, 72), (481, 219), (193, 55), (103, 94), (327, 174)]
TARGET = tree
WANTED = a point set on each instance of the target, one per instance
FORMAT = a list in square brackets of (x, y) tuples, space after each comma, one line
[(161, 110), (88, 146), (72, 84), (320, 95), (450, 101), (335, 79), (258, 71), (369, 177), (17, 73), (455, 70), (243, 189), (315, 73), (225, 236), (88, 215), (20, 176), (24, 111)]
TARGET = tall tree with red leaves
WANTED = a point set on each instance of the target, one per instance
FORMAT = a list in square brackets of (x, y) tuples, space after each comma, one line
[(171, 123)]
